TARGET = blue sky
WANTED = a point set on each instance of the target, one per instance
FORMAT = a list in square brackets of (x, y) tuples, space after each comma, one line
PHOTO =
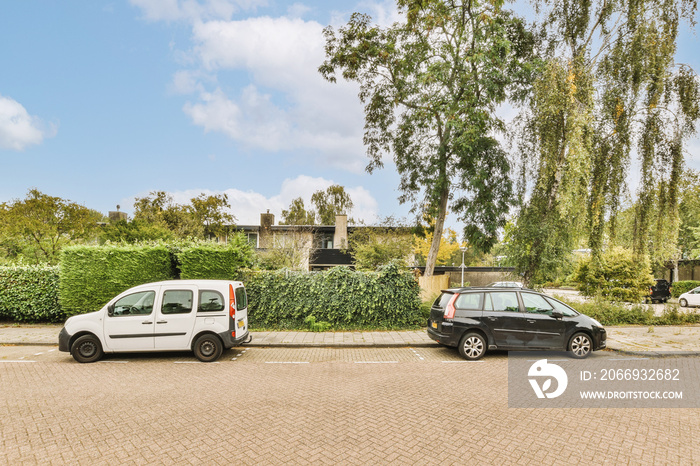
[(104, 101)]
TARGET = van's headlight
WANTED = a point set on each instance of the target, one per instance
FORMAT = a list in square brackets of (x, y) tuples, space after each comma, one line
[(595, 322)]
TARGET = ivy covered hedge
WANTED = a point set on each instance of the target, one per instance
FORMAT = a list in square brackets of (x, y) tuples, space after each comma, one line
[(29, 294), (341, 297), (92, 275)]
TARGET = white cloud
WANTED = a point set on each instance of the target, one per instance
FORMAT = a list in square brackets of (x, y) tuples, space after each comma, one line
[(247, 206), (288, 105), (297, 10), (19, 129)]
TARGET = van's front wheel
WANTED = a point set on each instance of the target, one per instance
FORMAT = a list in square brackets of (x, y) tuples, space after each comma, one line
[(208, 348), (86, 349)]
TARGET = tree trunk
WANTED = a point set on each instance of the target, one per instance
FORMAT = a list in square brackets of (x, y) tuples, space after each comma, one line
[(437, 234)]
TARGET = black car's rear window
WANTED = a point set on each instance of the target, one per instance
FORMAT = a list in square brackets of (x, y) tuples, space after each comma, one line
[(470, 301), (442, 300)]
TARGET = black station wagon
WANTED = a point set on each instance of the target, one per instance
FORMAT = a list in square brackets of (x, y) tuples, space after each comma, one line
[(479, 319)]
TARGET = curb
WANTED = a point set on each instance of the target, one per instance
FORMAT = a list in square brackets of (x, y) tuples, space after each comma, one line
[(658, 354), (339, 345)]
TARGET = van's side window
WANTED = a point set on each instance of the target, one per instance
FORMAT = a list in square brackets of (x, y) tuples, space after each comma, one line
[(177, 302), (210, 301), (134, 304)]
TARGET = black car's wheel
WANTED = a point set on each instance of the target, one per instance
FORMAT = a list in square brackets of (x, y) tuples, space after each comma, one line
[(86, 349), (208, 348), (472, 346), (683, 302), (580, 345)]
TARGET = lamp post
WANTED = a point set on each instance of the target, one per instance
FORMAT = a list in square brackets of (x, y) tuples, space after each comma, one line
[(463, 249)]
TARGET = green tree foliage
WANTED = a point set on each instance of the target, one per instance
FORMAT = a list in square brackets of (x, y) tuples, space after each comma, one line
[(211, 212), (431, 85), (37, 227), (297, 214), (689, 213), (205, 217), (618, 275), (609, 88), (158, 208), (331, 202), (372, 247)]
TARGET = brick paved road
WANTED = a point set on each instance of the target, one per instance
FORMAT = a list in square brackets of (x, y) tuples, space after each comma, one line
[(308, 406)]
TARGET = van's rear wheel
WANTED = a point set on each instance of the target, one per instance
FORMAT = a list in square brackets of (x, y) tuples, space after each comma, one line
[(86, 349), (208, 348)]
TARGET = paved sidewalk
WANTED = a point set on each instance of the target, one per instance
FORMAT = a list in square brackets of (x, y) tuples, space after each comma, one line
[(651, 341)]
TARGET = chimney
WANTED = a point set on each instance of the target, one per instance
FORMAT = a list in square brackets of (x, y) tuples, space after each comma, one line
[(340, 237), (266, 222)]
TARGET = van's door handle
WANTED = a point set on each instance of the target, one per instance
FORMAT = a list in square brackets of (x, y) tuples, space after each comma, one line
[(492, 319), (146, 322), (531, 321), (162, 322)]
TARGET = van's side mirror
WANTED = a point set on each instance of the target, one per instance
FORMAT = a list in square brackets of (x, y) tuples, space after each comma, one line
[(110, 310), (557, 314)]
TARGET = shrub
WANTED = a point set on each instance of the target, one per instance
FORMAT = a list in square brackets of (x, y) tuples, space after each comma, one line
[(619, 275), (680, 287), (30, 294), (92, 275), (342, 297), (215, 261), (608, 313)]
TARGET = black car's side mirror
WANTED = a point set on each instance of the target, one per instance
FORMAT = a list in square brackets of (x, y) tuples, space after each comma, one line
[(557, 315)]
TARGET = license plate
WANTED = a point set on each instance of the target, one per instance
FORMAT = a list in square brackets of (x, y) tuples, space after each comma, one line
[(241, 324), (434, 324)]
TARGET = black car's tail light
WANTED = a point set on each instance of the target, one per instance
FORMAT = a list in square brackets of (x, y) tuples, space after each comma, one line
[(450, 308)]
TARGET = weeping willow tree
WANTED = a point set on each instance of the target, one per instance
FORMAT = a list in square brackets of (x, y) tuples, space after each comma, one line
[(609, 89)]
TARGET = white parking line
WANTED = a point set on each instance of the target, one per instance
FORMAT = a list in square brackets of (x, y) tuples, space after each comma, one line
[(37, 354), (417, 354), (376, 362), (628, 359), (286, 362)]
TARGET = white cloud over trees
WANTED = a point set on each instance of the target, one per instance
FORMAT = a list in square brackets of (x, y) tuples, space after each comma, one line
[(19, 129)]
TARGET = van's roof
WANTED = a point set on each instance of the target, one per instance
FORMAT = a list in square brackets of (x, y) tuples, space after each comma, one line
[(198, 283)]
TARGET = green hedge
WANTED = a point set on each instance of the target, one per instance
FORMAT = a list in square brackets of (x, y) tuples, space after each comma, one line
[(683, 286), (215, 261), (608, 313), (29, 294), (92, 275), (341, 297)]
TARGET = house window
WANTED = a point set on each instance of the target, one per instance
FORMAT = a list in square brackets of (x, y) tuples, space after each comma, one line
[(253, 239), (327, 241)]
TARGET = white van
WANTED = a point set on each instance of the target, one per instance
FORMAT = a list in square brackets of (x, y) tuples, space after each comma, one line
[(204, 316)]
